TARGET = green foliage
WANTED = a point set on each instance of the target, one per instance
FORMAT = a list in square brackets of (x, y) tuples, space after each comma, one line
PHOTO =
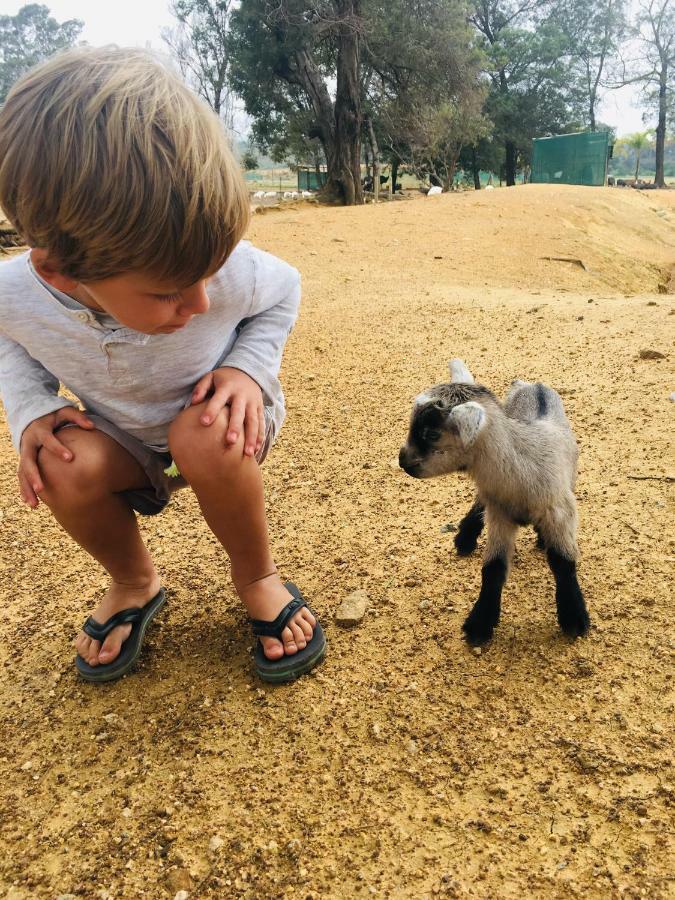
[(421, 76), (30, 37), (527, 66), (250, 161)]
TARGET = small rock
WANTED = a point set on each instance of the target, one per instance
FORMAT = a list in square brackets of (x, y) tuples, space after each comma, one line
[(424, 604), (179, 881), (477, 651), (66, 897), (126, 812), (181, 895), (411, 582), (376, 731), (215, 843), (651, 354), (27, 765), (672, 396), (449, 527), (411, 747), (352, 609)]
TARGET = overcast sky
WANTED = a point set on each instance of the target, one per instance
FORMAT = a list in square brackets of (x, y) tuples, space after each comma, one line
[(138, 23)]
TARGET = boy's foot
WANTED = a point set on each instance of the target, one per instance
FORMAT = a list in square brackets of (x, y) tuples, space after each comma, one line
[(117, 598), (264, 600)]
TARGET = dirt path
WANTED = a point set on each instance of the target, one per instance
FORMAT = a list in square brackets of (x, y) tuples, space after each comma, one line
[(408, 766)]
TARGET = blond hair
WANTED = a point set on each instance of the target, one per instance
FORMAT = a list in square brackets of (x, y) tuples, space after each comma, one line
[(112, 165)]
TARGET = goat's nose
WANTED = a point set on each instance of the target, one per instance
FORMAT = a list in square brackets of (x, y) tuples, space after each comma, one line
[(401, 457)]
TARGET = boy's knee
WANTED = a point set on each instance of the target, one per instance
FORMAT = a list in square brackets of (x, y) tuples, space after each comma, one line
[(83, 476), (202, 449)]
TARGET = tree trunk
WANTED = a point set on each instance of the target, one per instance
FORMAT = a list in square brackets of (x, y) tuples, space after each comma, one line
[(510, 163), (476, 169), (394, 174), (344, 167), (659, 177), (376, 159), (637, 165)]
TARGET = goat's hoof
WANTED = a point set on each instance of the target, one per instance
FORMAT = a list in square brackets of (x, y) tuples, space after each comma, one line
[(477, 631), (464, 544), (574, 622)]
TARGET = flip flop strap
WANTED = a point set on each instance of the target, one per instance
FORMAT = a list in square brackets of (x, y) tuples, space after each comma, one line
[(261, 628), (100, 631)]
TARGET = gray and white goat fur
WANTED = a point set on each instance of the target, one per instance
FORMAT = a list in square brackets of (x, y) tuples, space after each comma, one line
[(522, 456)]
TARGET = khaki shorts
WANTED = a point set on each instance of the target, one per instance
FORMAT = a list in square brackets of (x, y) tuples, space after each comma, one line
[(152, 500)]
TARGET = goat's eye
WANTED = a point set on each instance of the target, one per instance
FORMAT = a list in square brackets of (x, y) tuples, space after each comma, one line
[(432, 435)]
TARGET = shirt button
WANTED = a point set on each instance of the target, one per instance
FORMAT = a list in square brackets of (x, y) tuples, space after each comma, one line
[(83, 317)]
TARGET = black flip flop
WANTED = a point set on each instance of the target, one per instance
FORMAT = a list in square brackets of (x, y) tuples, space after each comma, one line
[(139, 617), (288, 668)]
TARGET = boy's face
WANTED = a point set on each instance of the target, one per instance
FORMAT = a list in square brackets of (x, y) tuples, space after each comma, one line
[(135, 300)]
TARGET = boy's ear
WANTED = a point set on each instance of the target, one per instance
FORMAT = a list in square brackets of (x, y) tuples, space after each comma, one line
[(49, 273), (469, 420)]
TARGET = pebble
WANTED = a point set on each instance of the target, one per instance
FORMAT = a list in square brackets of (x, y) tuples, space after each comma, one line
[(477, 651), (411, 746), (672, 396), (651, 354), (181, 895), (424, 604), (352, 609), (215, 843)]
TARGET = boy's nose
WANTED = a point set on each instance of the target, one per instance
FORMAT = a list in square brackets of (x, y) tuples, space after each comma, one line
[(194, 300)]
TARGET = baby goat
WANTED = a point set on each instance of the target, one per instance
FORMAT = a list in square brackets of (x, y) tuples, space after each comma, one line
[(522, 457)]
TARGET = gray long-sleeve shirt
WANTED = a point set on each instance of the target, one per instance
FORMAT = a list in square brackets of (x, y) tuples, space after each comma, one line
[(140, 382)]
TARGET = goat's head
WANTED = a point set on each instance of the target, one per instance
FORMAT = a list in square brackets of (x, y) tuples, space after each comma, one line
[(445, 424)]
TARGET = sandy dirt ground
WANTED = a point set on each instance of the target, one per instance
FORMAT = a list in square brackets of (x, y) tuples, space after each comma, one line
[(407, 766)]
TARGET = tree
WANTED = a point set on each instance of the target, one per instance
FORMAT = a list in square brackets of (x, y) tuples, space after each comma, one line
[(656, 39), (638, 141), (200, 45), (30, 37), (421, 84), (287, 56), (526, 64), (594, 32)]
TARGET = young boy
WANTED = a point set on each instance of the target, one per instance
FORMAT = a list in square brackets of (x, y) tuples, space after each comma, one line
[(139, 297)]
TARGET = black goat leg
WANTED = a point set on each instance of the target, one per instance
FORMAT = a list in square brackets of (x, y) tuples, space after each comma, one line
[(469, 529), (483, 618), (572, 613)]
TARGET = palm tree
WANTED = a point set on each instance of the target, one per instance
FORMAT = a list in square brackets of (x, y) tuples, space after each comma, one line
[(638, 141)]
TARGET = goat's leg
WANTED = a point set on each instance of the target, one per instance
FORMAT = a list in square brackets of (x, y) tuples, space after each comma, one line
[(469, 529), (540, 545), (481, 621), (559, 529)]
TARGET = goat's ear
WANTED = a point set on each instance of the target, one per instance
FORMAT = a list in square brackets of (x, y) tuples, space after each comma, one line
[(469, 420), (459, 372)]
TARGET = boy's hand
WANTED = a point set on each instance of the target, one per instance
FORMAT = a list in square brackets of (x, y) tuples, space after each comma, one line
[(235, 389), (40, 433)]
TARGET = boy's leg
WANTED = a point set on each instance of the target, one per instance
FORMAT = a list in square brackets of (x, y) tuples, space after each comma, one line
[(229, 489), (83, 495)]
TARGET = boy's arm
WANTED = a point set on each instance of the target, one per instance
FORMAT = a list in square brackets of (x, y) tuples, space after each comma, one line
[(260, 343), (28, 390)]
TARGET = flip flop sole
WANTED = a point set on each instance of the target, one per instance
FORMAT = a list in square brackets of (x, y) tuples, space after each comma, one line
[(289, 668), (131, 648)]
